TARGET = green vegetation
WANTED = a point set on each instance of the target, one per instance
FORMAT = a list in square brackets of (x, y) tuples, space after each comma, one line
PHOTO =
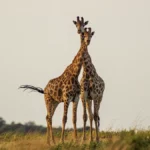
[(32, 137)]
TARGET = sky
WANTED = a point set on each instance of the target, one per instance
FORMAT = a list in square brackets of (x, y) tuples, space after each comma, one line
[(38, 40)]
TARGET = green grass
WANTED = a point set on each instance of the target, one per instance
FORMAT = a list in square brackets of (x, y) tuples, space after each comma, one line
[(121, 140)]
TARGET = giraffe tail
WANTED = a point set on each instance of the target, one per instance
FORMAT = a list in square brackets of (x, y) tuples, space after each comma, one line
[(32, 88)]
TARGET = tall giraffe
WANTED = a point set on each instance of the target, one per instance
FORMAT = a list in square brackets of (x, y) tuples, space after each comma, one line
[(64, 88), (92, 87)]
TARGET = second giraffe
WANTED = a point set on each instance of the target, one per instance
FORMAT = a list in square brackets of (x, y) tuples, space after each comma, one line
[(92, 85)]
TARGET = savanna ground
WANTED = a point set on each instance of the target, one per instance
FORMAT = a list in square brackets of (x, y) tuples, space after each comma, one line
[(110, 140)]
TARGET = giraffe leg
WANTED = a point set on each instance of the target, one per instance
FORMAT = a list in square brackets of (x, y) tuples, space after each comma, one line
[(54, 106), (96, 117), (48, 117), (89, 108), (66, 104), (74, 117), (48, 130), (84, 115), (49, 122), (51, 106)]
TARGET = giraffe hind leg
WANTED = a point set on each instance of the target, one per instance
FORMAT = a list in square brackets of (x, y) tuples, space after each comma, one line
[(51, 106), (54, 106), (48, 130), (84, 115), (96, 117)]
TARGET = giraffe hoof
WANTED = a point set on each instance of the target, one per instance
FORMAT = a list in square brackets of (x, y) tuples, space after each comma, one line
[(62, 141), (48, 143), (97, 140), (54, 142), (76, 140), (83, 139), (91, 140)]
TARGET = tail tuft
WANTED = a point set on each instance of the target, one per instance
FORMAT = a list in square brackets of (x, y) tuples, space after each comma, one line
[(32, 88)]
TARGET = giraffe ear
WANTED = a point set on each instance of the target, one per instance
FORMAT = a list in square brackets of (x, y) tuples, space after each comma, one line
[(74, 22), (85, 23), (92, 33)]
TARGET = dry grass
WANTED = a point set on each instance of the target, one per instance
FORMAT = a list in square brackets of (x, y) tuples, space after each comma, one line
[(122, 140)]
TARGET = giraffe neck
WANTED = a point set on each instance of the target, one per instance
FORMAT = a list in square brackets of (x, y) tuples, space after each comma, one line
[(88, 67), (87, 61), (75, 67), (78, 60), (81, 39)]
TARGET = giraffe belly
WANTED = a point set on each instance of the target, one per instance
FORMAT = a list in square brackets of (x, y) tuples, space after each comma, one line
[(76, 99), (92, 94), (70, 99), (85, 95)]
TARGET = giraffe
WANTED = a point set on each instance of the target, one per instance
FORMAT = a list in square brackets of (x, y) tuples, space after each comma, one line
[(92, 87), (66, 89)]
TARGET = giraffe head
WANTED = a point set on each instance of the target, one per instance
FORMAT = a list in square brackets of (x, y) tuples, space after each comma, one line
[(80, 24), (87, 35)]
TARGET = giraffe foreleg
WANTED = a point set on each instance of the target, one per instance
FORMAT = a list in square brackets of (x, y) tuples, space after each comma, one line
[(84, 115), (74, 117), (90, 114)]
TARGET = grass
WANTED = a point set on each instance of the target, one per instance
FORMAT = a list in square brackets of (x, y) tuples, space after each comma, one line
[(121, 140)]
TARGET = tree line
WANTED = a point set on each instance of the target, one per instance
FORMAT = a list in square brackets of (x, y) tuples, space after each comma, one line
[(21, 128), (27, 127)]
